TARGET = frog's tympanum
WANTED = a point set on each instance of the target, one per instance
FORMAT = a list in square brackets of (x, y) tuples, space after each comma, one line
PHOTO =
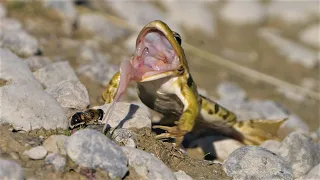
[(160, 69)]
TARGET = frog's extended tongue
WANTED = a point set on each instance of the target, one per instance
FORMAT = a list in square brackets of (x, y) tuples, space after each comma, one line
[(126, 75)]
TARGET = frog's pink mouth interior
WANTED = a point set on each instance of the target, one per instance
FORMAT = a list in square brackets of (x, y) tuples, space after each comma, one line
[(154, 55)]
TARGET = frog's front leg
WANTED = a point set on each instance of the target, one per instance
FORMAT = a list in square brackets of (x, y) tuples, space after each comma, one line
[(187, 118), (109, 93)]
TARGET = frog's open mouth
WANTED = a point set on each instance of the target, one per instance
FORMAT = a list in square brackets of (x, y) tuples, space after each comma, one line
[(154, 57)]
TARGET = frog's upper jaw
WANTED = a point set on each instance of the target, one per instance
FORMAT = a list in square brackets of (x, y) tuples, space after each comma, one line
[(158, 54)]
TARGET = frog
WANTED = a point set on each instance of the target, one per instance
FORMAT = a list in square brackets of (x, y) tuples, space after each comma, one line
[(164, 84)]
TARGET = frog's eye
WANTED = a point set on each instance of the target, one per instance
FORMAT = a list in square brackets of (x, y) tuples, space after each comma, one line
[(177, 37)]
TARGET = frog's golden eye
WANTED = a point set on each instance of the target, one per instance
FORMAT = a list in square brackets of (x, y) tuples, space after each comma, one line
[(177, 37)]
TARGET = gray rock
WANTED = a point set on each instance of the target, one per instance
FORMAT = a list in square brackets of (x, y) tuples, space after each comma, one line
[(56, 160), (101, 27), (124, 136), (293, 51), (38, 152), (72, 95), (55, 73), (312, 175), (310, 35), (55, 144), (181, 175), (251, 162), (37, 62), (271, 145), (9, 24), (242, 13), (126, 115), (20, 42), (194, 15), (146, 165), (3, 11), (10, 170), (231, 91), (301, 152), (27, 107), (14, 70), (90, 148), (64, 7)]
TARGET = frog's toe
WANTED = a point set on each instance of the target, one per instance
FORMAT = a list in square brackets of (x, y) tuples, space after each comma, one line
[(172, 132)]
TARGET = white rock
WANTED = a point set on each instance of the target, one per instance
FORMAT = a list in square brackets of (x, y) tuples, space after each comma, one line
[(243, 12), (14, 70), (181, 175), (124, 136), (231, 91), (195, 15), (37, 62), (146, 165), (313, 174), (55, 144), (20, 42), (90, 148), (72, 95), (292, 51), (251, 162), (56, 160), (311, 35), (10, 170), (9, 24), (127, 115), (27, 107), (3, 11), (293, 12), (271, 145), (55, 73), (65, 7), (38, 152), (301, 152), (101, 27)]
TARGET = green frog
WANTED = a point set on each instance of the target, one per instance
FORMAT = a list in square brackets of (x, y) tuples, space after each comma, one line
[(159, 67)]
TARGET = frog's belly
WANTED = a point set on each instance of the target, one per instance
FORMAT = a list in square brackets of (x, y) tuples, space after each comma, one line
[(166, 104)]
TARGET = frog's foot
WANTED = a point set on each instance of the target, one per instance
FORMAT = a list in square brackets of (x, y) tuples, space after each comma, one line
[(172, 132)]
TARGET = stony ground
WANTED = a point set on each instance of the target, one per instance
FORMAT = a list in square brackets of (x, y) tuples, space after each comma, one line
[(57, 56)]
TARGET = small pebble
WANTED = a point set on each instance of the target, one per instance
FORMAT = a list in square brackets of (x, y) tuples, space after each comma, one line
[(181, 175), (35, 153), (56, 160)]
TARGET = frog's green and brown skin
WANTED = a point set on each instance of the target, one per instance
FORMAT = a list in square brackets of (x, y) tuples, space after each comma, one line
[(165, 85)]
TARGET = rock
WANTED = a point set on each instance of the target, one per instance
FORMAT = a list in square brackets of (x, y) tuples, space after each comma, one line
[(312, 175), (301, 152), (269, 109), (72, 95), (251, 162), (124, 136), (294, 52), (14, 70), (28, 107), (181, 175), (38, 152), (292, 12), (9, 24), (194, 15), (90, 148), (231, 91), (20, 42), (310, 35), (146, 165), (101, 27), (243, 13), (271, 145), (213, 146), (10, 170), (64, 7), (56, 160), (127, 115), (37, 62), (55, 144), (55, 73), (3, 11)]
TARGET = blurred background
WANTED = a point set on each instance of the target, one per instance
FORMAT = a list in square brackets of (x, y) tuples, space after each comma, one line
[(259, 58)]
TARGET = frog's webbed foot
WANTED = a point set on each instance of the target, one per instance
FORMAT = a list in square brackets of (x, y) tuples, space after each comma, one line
[(172, 132)]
